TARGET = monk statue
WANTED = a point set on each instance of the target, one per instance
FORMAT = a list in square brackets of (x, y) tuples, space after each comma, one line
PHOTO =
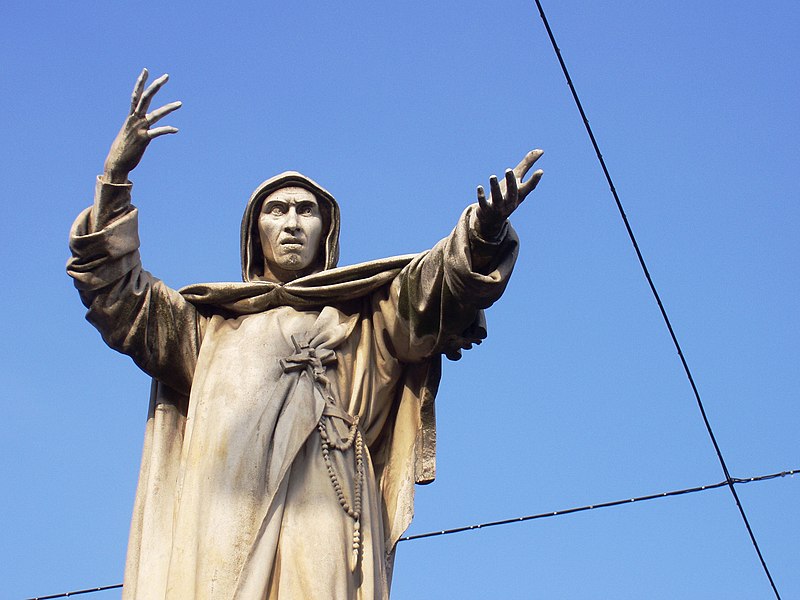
[(291, 413)]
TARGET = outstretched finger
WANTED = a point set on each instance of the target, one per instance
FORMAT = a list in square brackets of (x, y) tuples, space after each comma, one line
[(482, 199), (526, 163), (154, 133), (137, 90), (511, 184), (147, 95), (494, 187), (162, 112), (527, 187)]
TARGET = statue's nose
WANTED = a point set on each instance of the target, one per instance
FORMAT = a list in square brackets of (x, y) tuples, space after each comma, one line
[(291, 222)]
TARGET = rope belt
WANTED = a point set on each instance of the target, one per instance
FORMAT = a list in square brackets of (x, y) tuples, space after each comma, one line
[(315, 361)]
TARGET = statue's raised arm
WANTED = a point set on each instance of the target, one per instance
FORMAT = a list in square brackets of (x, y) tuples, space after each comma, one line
[(136, 313), (136, 133)]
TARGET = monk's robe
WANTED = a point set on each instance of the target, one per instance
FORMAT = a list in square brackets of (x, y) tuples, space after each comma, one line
[(289, 422)]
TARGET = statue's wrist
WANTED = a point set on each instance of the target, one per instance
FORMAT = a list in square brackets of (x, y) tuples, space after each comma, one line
[(487, 229), (114, 176)]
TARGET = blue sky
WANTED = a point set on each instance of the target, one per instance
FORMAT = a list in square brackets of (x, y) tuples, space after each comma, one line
[(400, 110)]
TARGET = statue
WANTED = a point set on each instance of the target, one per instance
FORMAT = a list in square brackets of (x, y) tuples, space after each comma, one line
[(291, 413)]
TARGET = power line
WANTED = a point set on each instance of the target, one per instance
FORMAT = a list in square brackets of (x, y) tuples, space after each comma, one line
[(569, 511), (78, 592), (728, 480), (555, 513)]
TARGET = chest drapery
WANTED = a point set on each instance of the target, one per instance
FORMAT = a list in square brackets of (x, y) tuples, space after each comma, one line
[(250, 437)]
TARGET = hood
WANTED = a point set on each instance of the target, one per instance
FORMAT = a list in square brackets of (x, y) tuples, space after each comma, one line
[(253, 255)]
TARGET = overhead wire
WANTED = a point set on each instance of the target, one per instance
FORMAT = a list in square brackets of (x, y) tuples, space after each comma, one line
[(513, 520), (569, 511), (728, 482), (102, 588), (728, 479)]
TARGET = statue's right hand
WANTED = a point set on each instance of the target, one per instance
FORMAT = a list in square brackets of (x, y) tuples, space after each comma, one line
[(132, 140)]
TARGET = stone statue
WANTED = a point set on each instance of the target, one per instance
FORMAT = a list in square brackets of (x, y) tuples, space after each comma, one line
[(291, 413)]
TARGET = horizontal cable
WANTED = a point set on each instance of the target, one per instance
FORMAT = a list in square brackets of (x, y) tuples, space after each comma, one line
[(557, 513), (77, 592), (568, 511)]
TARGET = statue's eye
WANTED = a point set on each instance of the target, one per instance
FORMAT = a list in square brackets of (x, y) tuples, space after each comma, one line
[(306, 211), (276, 210)]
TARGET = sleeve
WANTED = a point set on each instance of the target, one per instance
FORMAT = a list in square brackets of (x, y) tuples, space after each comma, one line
[(435, 304), (136, 313)]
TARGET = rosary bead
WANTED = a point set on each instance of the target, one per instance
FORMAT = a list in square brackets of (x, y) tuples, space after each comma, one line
[(354, 440)]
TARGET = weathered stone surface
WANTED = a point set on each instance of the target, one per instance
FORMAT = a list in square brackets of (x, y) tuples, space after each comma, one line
[(290, 413)]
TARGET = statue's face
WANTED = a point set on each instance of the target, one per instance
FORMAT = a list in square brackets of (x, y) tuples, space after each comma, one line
[(290, 229)]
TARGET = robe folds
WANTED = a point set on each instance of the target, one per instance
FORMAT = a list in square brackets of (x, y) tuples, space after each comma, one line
[(237, 497)]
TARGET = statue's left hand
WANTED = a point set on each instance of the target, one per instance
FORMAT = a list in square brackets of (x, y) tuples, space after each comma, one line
[(506, 195)]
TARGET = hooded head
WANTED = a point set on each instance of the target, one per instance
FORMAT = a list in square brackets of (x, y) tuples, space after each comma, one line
[(253, 255)]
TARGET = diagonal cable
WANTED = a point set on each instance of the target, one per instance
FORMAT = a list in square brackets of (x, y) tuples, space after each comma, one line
[(728, 479)]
